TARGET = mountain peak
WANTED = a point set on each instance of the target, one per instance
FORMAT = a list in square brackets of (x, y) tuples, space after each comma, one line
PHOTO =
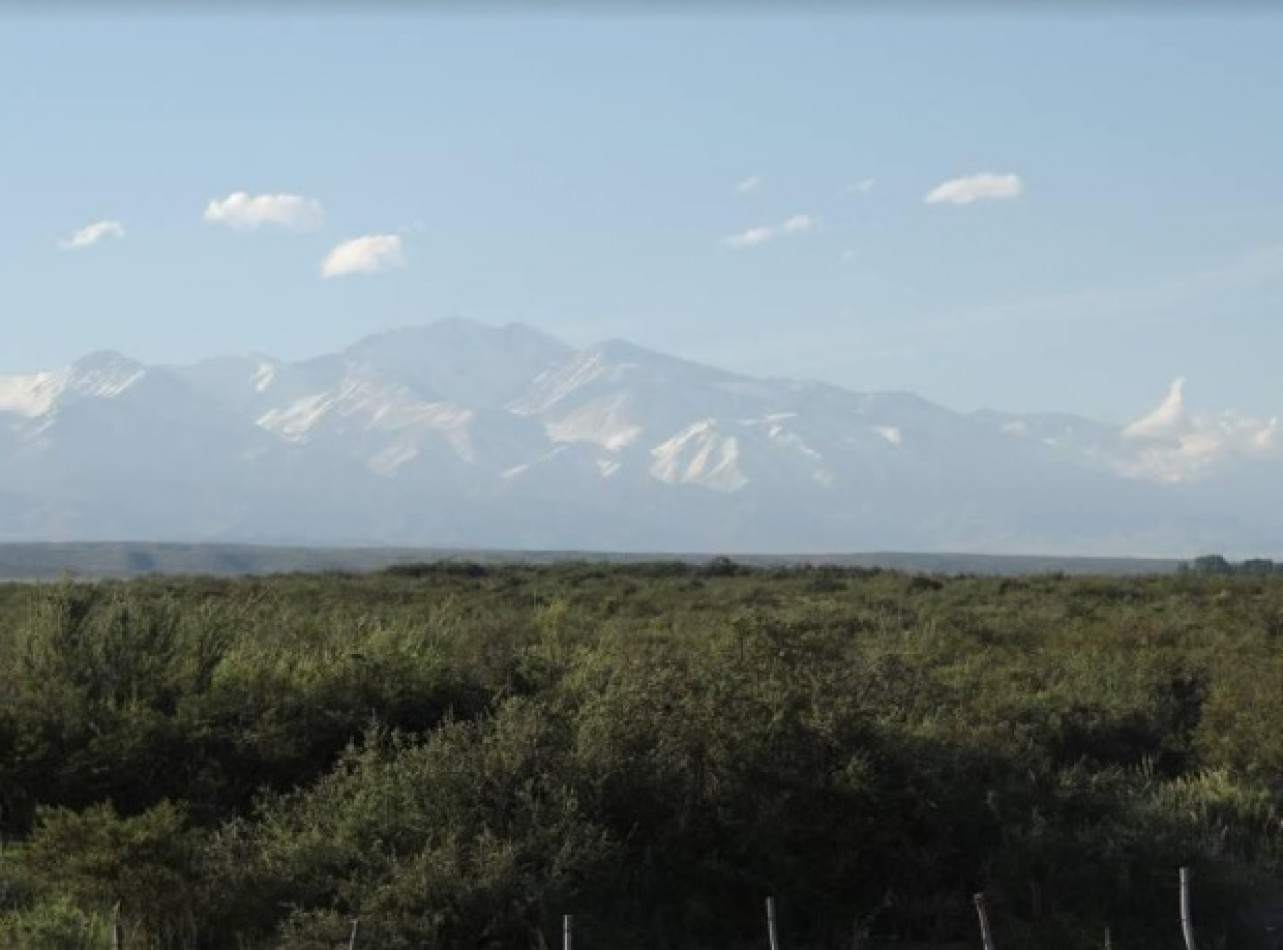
[(625, 355), (458, 331), (104, 373), (104, 360), (620, 351), (460, 360)]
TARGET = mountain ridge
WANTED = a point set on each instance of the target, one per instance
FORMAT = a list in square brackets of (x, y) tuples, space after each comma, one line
[(459, 433)]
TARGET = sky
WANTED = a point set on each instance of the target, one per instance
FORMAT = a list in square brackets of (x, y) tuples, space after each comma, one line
[(1027, 212)]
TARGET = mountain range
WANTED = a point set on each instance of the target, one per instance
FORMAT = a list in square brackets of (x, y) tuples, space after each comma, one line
[(462, 434)]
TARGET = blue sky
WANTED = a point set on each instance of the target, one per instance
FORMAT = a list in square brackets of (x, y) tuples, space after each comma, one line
[(580, 173)]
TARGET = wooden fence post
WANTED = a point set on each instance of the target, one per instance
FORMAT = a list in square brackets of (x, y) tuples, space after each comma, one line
[(117, 931), (770, 924), (351, 940), (1187, 920), (985, 933), (567, 932)]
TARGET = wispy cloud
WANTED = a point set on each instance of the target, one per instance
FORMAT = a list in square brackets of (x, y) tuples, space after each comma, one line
[(757, 236), (862, 187), (1260, 266), (91, 234), (985, 186), (749, 184), (246, 212), (364, 255)]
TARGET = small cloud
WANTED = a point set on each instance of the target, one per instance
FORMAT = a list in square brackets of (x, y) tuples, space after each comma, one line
[(985, 186), (750, 238), (749, 184), (246, 212), (91, 234), (754, 237), (364, 255), (863, 187)]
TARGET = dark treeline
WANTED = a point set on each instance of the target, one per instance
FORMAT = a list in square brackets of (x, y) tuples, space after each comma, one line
[(1217, 564), (458, 754)]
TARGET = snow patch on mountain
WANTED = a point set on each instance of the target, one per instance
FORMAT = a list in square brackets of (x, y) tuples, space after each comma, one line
[(295, 421), (891, 434), (775, 426), (103, 375), (700, 455), (389, 461), (29, 396), (608, 422), (264, 376)]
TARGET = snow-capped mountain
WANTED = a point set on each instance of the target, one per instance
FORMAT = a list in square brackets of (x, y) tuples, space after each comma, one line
[(462, 434)]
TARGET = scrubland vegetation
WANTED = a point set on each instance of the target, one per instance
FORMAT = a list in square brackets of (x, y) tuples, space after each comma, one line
[(459, 754)]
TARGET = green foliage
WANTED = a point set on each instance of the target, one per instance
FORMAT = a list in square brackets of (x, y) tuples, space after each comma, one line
[(143, 869), (57, 924), (472, 835), (456, 754)]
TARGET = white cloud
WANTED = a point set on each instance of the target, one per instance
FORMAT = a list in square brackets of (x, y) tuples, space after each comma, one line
[(91, 234), (754, 237), (364, 255), (749, 184), (982, 187), (1168, 419), (1174, 445), (863, 186), (750, 238), (245, 212)]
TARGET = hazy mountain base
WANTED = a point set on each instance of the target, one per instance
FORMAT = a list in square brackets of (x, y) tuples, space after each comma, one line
[(117, 560), (460, 753)]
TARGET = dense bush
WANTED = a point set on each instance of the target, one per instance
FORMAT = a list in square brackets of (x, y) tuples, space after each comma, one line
[(457, 755)]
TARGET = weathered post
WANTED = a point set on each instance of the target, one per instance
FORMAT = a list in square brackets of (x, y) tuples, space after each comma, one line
[(117, 931), (567, 932), (770, 924), (985, 933), (351, 940), (1187, 919)]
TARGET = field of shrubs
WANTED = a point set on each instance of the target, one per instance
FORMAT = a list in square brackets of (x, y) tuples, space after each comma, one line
[(458, 754)]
